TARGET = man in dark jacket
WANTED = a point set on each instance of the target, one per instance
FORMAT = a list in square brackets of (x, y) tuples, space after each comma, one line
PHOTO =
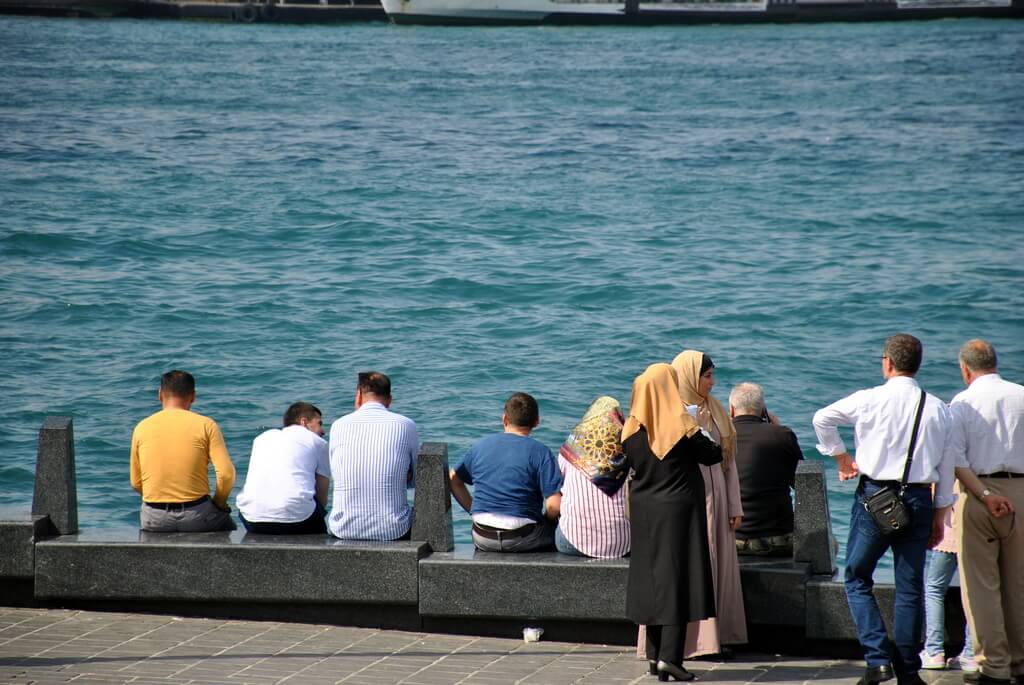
[(767, 455)]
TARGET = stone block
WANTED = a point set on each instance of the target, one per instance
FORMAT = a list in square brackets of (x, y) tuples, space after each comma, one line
[(773, 592), (56, 493), (17, 545), (828, 614), (433, 503), (812, 526), (228, 567), (471, 583)]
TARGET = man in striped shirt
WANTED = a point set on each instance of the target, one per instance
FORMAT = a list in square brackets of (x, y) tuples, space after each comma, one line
[(373, 462)]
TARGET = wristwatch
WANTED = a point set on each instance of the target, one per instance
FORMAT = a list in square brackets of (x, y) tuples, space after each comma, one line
[(985, 493)]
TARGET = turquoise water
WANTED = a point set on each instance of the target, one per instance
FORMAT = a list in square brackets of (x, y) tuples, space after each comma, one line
[(478, 211)]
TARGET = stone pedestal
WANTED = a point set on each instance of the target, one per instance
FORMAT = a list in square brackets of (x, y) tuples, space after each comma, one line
[(812, 527), (433, 502), (56, 493)]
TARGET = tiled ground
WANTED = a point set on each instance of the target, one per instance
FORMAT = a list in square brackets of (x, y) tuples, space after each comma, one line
[(52, 646)]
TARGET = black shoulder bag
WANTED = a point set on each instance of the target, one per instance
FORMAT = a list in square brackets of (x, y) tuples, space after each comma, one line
[(886, 506)]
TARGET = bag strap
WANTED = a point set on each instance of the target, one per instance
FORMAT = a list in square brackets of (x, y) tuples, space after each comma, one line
[(913, 442)]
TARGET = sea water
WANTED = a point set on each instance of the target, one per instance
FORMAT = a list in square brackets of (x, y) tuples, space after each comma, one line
[(481, 211)]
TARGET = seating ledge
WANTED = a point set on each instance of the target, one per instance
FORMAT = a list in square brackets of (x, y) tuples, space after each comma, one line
[(227, 567)]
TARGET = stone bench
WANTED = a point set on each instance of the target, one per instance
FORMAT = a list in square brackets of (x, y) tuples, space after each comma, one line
[(354, 582), (545, 587)]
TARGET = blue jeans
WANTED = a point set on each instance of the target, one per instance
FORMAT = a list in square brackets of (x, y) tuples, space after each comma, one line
[(941, 567), (564, 546), (864, 547)]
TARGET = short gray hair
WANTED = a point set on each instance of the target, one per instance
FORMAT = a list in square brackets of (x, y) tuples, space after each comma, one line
[(747, 398), (978, 355)]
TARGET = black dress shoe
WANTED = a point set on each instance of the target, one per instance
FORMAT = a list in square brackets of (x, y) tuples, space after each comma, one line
[(667, 671), (878, 674)]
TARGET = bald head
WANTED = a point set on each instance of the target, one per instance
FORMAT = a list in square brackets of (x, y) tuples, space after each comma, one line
[(977, 359), (978, 356)]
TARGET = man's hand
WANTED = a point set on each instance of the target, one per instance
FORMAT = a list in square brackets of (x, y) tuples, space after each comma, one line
[(735, 521), (848, 468), (998, 505), (938, 521)]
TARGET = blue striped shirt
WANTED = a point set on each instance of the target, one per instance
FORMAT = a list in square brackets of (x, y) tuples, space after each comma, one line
[(373, 451)]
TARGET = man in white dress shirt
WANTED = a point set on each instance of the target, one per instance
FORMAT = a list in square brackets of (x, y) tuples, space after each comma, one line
[(989, 447), (883, 418), (373, 462), (285, 489)]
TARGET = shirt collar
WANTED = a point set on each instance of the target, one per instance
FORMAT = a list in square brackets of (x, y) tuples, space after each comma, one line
[(987, 378), (372, 404), (902, 380)]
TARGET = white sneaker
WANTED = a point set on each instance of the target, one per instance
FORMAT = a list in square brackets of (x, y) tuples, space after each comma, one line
[(965, 664), (933, 662)]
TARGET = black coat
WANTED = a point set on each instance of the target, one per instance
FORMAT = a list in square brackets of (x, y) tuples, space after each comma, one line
[(670, 580), (767, 455)]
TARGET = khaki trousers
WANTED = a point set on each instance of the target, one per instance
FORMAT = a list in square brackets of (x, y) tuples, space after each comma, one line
[(992, 579)]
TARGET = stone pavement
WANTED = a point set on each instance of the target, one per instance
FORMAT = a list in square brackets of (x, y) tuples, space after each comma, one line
[(59, 646)]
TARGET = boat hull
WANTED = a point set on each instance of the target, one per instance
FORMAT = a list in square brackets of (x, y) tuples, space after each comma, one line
[(530, 12)]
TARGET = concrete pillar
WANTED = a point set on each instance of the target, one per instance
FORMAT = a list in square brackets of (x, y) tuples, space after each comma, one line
[(812, 526), (56, 492), (433, 502)]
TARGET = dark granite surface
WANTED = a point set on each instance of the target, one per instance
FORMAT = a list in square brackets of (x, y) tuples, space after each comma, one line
[(467, 582), (773, 592), (812, 526), (433, 503), (17, 545), (828, 614), (56, 493), (228, 567)]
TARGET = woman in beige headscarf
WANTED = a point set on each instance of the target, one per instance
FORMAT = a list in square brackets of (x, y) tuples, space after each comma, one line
[(696, 374), (670, 578)]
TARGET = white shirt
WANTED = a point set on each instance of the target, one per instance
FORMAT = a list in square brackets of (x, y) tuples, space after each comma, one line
[(281, 482), (373, 451), (989, 435), (882, 418)]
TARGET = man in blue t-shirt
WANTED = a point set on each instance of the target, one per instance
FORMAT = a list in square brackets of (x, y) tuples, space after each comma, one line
[(517, 484)]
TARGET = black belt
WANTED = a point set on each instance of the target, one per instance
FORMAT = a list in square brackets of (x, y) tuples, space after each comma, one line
[(892, 483), (167, 506), (1001, 474), (492, 533)]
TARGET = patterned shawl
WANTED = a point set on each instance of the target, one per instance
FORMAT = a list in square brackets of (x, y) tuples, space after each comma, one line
[(594, 446)]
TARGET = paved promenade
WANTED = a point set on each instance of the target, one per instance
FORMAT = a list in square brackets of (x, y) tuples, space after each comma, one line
[(54, 646)]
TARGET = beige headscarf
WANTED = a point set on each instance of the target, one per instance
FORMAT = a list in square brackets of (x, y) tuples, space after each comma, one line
[(687, 368), (657, 407)]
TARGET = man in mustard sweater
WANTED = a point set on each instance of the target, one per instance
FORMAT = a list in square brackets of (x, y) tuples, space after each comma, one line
[(170, 460)]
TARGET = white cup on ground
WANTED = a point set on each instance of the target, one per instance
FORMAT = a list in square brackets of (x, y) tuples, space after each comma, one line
[(532, 634)]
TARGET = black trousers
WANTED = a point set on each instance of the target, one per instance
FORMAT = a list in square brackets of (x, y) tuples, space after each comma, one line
[(314, 524), (665, 643)]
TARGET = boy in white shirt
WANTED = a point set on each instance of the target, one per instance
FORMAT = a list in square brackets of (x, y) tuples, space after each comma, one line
[(285, 489)]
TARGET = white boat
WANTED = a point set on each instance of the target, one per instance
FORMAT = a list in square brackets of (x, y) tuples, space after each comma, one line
[(643, 12)]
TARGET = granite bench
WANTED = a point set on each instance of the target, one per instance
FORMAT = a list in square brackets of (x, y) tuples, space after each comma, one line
[(236, 574)]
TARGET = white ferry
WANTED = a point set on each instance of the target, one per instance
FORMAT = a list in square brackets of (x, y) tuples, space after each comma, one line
[(642, 12)]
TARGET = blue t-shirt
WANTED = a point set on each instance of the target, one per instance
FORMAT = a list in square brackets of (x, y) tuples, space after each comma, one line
[(512, 475)]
